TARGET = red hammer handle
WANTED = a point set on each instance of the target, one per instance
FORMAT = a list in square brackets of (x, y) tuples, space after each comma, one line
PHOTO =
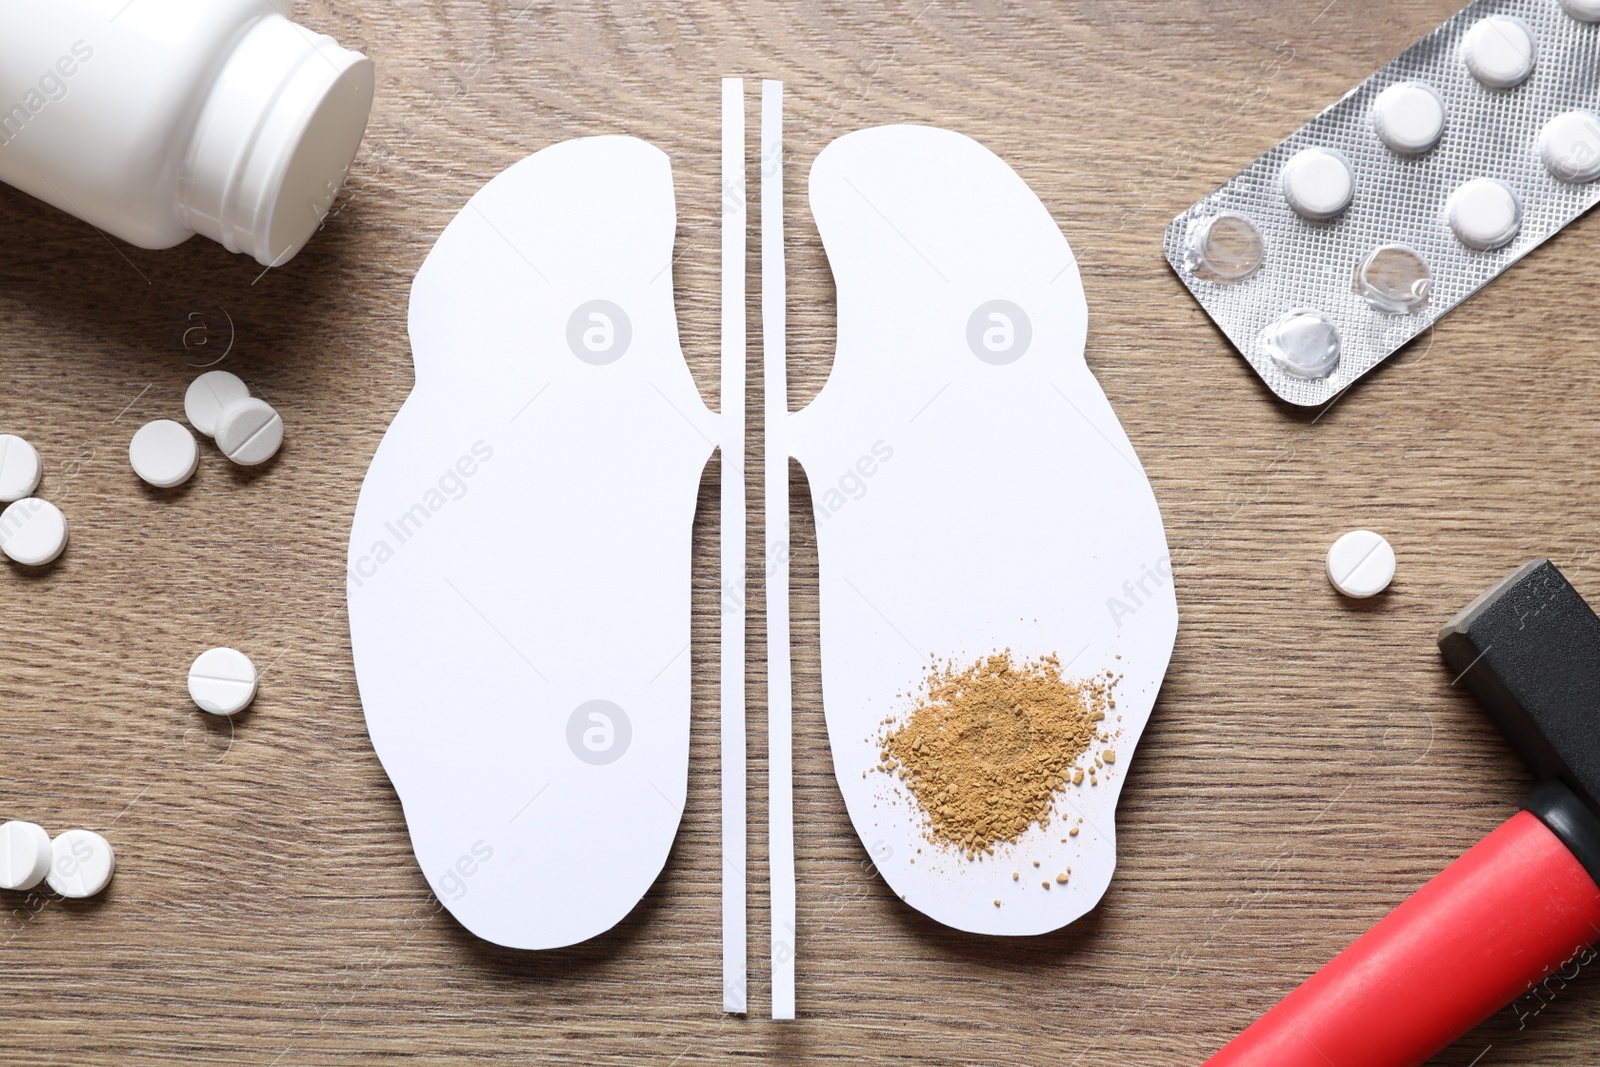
[(1493, 923)]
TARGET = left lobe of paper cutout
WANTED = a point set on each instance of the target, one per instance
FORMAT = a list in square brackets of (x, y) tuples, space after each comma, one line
[(519, 583)]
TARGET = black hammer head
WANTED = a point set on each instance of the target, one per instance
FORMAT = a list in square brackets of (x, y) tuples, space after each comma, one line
[(1529, 650)]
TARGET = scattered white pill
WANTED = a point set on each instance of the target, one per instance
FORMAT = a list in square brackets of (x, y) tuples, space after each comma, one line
[(33, 532), (81, 864), (1317, 183), (222, 681), (208, 395), (1499, 51), (1361, 564), (24, 855), (19, 468), (164, 453), (1569, 144), (249, 431), (1408, 118), (1582, 10), (1485, 213)]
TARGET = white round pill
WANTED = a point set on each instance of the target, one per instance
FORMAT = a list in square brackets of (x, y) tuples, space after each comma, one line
[(249, 431), (1499, 51), (1582, 10), (81, 864), (1361, 564), (1317, 183), (164, 453), (1408, 118), (24, 855), (19, 468), (208, 395), (33, 532), (1569, 144), (1485, 213), (222, 681)]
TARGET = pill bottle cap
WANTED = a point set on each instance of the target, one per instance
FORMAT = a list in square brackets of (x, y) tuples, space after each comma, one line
[(274, 139)]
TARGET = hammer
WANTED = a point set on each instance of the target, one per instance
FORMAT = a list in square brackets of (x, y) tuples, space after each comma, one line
[(1516, 906)]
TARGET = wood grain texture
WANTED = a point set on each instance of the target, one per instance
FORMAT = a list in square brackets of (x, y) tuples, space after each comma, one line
[(1307, 766)]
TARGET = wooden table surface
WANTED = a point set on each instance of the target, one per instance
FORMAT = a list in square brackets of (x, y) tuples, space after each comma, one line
[(1308, 763)]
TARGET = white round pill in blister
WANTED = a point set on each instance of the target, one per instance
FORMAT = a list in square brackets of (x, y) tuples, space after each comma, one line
[(1317, 183), (1361, 564), (1499, 51), (81, 864), (249, 431), (222, 681), (24, 855), (19, 468), (1485, 213), (208, 395), (1569, 144), (33, 532), (1408, 118), (1582, 10), (164, 453)]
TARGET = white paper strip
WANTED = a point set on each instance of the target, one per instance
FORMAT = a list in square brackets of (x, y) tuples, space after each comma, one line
[(735, 966), (780, 756)]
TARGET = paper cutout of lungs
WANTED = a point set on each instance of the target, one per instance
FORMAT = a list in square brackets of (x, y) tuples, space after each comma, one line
[(520, 559), (973, 493)]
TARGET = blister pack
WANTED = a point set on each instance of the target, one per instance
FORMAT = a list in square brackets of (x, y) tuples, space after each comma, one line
[(1394, 205)]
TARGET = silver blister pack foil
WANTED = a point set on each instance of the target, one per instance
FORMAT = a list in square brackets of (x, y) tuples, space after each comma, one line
[(1400, 199)]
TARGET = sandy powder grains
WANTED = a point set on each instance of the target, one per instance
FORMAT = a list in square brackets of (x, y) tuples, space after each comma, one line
[(987, 746)]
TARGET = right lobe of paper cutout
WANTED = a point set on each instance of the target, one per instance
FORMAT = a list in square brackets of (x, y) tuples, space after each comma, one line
[(973, 493)]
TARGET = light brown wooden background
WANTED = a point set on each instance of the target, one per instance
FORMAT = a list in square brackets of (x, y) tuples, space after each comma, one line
[(1308, 763)]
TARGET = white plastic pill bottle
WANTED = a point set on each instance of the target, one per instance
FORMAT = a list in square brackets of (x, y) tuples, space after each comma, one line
[(155, 120)]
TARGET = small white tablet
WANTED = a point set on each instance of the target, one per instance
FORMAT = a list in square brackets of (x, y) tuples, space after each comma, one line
[(164, 453), (208, 395), (1318, 183), (33, 532), (1484, 213), (1361, 564), (1408, 118), (81, 864), (1499, 51), (222, 681), (249, 431), (19, 468), (24, 855), (1569, 145)]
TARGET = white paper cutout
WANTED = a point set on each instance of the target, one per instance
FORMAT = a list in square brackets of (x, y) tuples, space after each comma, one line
[(973, 492), (735, 965), (780, 696), (521, 637)]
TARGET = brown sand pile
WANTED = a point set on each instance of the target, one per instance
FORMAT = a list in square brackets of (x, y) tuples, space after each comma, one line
[(987, 747)]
